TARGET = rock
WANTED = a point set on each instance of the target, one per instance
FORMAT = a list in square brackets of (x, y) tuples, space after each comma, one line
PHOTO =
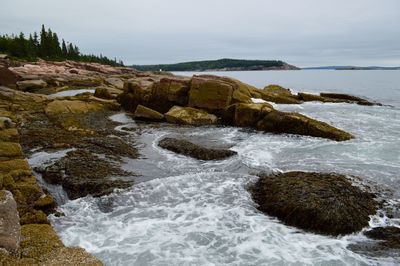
[(390, 236), (308, 97), (144, 113), (192, 150), (81, 173), (3, 56), (347, 98), (278, 94), (116, 82), (71, 256), (317, 202), (248, 115), (31, 85), (6, 122), (212, 94), (58, 107), (169, 92), (10, 230), (189, 116), (10, 134), (107, 92), (10, 150), (294, 123), (8, 78)]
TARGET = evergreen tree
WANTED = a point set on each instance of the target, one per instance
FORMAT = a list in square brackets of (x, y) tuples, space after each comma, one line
[(64, 50)]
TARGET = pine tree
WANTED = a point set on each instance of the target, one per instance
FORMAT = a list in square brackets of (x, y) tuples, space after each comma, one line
[(64, 50)]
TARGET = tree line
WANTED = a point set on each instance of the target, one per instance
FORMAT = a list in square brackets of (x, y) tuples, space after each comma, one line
[(225, 63), (47, 46)]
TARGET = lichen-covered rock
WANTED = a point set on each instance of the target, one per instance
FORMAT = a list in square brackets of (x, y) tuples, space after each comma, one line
[(10, 230), (196, 151), (319, 202), (107, 93), (71, 256), (248, 115), (31, 85), (294, 123), (147, 114), (10, 150), (189, 116)]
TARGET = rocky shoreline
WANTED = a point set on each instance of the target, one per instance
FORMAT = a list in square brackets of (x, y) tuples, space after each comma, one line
[(31, 120)]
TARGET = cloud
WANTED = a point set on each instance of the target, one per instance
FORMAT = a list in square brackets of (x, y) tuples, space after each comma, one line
[(304, 33)]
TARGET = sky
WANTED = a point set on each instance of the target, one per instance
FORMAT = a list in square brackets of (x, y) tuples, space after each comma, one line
[(303, 33)]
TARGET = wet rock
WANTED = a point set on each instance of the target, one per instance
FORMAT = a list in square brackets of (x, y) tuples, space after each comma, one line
[(189, 116), (71, 256), (57, 107), (390, 236), (147, 114), (278, 94), (346, 98), (81, 173), (308, 97), (294, 123), (10, 230), (187, 148), (317, 202), (31, 85), (248, 115)]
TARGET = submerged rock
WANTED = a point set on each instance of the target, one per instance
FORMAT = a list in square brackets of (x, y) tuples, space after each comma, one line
[(190, 149), (294, 123), (318, 202), (189, 116)]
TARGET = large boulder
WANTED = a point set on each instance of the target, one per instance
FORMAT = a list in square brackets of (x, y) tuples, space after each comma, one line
[(116, 82), (31, 85), (147, 114), (107, 92), (294, 123), (189, 116), (278, 94), (248, 114), (192, 150), (10, 229), (214, 93), (318, 202)]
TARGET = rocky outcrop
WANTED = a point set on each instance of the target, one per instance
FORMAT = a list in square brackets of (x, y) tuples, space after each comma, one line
[(187, 148), (317, 202), (147, 114), (278, 94), (7, 77), (248, 115), (10, 230), (294, 123), (189, 116), (346, 98), (107, 92)]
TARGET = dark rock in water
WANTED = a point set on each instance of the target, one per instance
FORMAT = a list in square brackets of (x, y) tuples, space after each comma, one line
[(189, 149), (81, 173), (341, 97), (390, 236), (323, 203), (294, 123)]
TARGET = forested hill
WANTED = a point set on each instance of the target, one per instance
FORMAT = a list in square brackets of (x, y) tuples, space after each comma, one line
[(219, 65), (47, 46)]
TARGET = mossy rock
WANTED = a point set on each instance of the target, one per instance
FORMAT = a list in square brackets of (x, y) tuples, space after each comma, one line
[(16, 164), (58, 107), (10, 150), (276, 89), (34, 217), (38, 240), (190, 116), (294, 123), (324, 203), (9, 134), (71, 256)]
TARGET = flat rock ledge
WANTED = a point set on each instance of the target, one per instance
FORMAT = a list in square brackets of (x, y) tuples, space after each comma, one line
[(190, 149), (324, 203)]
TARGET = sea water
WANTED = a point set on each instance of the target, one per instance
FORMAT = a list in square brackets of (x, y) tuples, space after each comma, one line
[(184, 211)]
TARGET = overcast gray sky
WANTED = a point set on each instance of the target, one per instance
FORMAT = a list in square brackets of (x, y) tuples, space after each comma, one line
[(303, 33)]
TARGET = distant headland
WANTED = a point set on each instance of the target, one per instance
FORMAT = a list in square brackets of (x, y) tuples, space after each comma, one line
[(225, 64)]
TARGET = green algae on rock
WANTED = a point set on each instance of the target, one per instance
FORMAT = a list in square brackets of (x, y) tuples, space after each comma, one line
[(324, 203)]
